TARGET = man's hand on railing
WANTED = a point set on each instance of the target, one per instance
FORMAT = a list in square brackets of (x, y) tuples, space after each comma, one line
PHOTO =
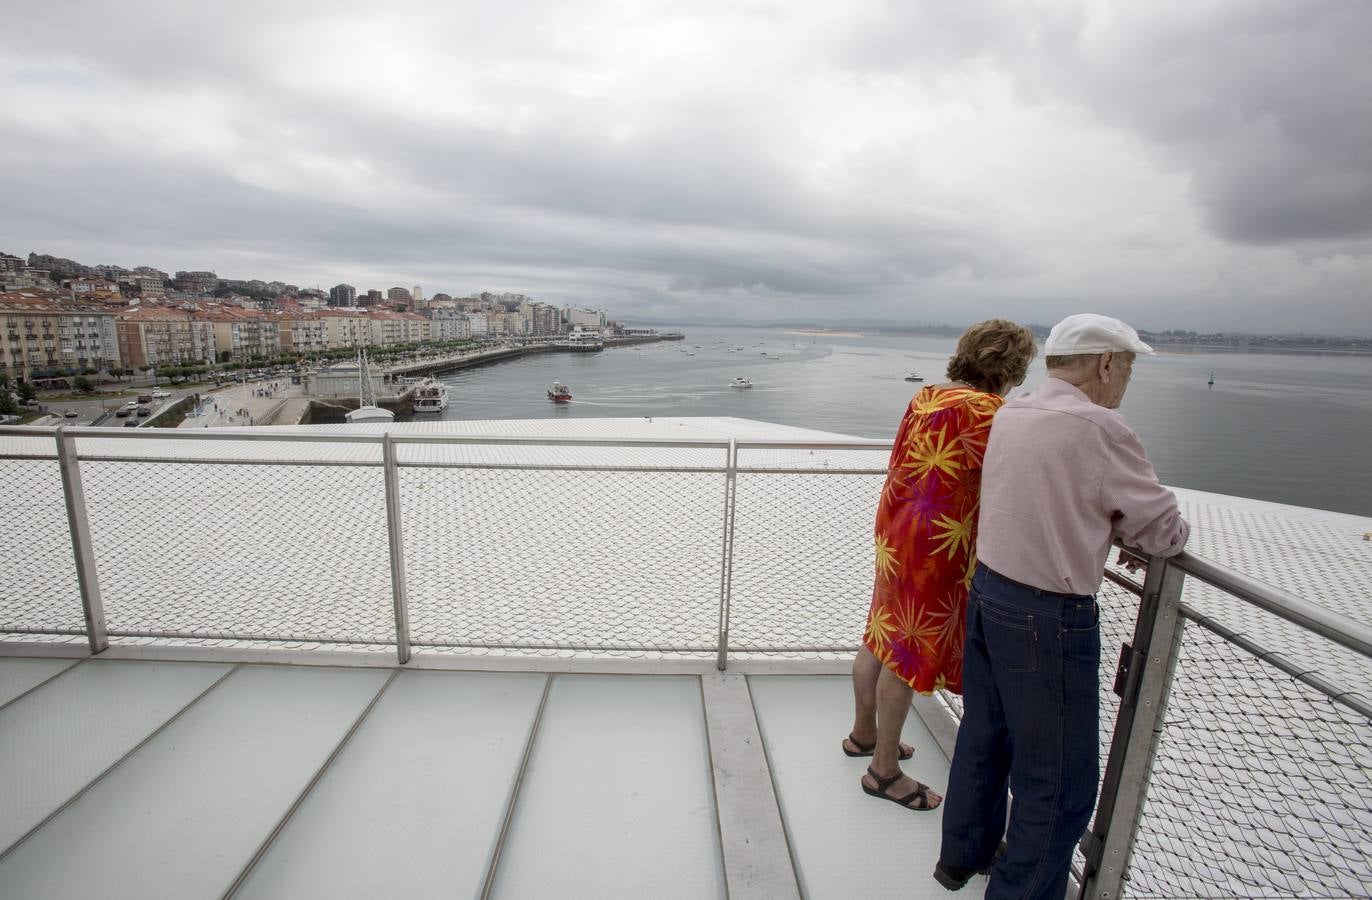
[(1132, 564)]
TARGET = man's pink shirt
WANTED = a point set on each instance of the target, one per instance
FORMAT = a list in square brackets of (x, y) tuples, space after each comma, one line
[(1062, 479)]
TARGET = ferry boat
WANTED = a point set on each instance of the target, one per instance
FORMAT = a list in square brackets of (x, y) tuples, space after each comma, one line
[(741, 382), (559, 392), (431, 396), (914, 376), (579, 341)]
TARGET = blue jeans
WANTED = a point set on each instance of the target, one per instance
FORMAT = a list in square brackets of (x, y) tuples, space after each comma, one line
[(1031, 706)]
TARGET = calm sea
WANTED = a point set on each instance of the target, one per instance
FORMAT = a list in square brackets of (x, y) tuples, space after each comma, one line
[(1289, 428)]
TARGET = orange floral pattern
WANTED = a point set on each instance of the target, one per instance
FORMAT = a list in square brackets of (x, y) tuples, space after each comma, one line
[(926, 537)]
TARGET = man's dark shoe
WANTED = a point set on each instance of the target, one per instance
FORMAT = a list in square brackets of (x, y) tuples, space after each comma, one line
[(952, 877)]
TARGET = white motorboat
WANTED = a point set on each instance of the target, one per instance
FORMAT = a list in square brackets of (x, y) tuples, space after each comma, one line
[(914, 376), (431, 396), (741, 382)]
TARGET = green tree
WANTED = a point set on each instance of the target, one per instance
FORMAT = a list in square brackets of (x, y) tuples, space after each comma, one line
[(27, 392), (7, 405), (83, 384)]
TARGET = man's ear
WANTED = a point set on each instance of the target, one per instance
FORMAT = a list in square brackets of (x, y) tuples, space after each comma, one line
[(1103, 365)]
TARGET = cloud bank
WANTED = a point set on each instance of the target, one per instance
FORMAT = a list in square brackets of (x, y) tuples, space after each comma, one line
[(1181, 165)]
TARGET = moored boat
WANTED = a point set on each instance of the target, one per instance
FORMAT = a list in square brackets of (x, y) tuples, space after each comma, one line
[(581, 341), (431, 396)]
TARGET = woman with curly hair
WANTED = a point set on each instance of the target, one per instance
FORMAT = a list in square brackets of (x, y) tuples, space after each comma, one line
[(926, 551)]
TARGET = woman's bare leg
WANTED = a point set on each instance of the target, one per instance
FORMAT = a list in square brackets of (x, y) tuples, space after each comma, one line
[(893, 704), (866, 670)]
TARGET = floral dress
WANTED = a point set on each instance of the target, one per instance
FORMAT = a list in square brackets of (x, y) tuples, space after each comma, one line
[(926, 537)]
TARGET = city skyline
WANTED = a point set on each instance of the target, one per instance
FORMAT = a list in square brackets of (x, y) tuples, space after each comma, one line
[(1203, 168)]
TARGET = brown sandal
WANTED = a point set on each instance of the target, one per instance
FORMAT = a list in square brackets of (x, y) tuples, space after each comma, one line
[(920, 794), (869, 749)]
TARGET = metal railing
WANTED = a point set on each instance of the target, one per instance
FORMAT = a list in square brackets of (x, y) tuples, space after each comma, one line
[(1231, 769), (480, 542)]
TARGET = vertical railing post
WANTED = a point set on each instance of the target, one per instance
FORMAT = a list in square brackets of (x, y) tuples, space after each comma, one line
[(726, 568), (399, 597), (1143, 681), (92, 606)]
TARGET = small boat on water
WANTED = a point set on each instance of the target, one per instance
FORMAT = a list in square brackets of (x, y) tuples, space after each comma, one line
[(741, 382), (559, 392), (914, 376), (431, 396)]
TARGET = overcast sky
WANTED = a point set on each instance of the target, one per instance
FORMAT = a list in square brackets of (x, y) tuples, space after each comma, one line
[(1183, 164)]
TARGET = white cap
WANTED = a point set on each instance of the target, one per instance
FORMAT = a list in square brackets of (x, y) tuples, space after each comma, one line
[(1089, 333)]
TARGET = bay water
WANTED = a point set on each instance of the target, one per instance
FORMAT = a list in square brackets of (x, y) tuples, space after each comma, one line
[(1290, 428)]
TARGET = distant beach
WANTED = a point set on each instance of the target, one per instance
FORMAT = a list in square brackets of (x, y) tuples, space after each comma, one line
[(827, 333)]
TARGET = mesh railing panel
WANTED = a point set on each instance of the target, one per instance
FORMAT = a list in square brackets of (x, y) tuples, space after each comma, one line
[(586, 560), (38, 588), (803, 560), (1262, 787), (242, 551)]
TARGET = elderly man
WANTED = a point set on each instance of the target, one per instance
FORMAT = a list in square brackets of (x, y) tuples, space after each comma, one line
[(1064, 476)]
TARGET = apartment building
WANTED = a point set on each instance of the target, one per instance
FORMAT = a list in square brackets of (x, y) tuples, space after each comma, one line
[(196, 282), (302, 332), (92, 288), (586, 318), (242, 334), (148, 286), (158, 336), (543, 318), (448, 325), (44, 336), (388, 328), (506, 323), (342, 295), (346, 329)]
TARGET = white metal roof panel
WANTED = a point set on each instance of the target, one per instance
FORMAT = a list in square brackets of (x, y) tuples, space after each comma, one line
[(184, 814), (414, 804), (20, 675), (845, 843), (617, 801), (54, 741)]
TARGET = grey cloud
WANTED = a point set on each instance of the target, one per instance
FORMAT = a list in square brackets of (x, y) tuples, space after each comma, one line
[(1264, 104), (1267, 103)]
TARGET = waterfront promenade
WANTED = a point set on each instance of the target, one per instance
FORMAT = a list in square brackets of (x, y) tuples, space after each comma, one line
[(253, 403)]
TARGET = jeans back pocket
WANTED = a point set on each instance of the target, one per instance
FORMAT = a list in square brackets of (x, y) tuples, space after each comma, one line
[(1010, 638)]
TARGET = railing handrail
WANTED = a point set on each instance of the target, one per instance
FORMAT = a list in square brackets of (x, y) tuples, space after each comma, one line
[(270, 433), (1342, 630)]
